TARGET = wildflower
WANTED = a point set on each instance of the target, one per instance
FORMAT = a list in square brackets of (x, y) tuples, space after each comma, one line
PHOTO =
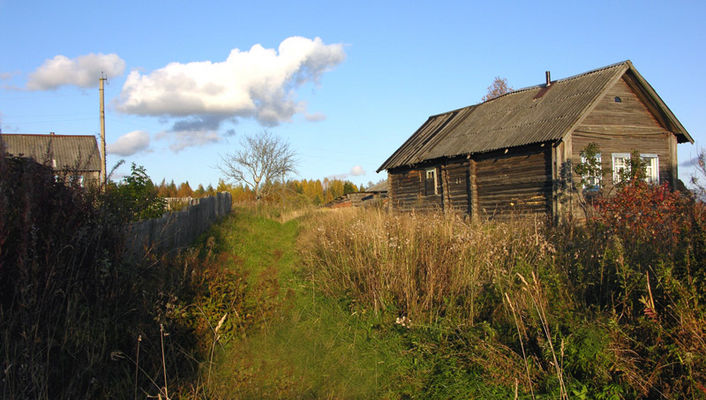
[(403, 321)]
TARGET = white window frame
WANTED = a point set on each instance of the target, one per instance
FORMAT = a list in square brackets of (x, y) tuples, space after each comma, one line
[(595, 182), (651, 170), (618, 168), (431, 171)]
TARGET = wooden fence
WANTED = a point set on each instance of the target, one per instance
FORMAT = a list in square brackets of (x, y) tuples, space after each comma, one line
[(177, 229)]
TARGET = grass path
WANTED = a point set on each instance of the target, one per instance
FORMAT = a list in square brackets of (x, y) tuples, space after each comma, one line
[(300, 344)]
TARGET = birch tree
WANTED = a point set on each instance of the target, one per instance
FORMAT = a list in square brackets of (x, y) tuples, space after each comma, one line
[(497, 89), (262, 160)]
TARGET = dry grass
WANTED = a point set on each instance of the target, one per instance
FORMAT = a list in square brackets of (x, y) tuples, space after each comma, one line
[(425, 266)]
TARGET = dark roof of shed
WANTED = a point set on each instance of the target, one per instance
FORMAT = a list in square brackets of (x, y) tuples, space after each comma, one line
[(378, 187), (531, 115), (78, 152)]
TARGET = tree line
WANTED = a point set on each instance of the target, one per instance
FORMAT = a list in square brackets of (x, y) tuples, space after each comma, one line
[(312, 191)]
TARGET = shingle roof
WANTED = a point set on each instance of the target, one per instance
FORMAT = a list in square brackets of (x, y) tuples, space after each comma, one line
[(70, 151), (532, 115)]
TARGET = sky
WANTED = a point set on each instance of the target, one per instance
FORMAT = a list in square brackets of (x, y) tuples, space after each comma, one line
[(345, 83)]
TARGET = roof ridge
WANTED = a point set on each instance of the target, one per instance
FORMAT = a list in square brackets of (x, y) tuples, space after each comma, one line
[(568, 78), (538, 86)]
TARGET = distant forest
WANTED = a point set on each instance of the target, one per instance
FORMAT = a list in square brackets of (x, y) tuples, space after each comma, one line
[(314, 191)]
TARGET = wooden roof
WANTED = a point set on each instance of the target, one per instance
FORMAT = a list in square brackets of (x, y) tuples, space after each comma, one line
[(532, 115), (69, 152), (379, 187)]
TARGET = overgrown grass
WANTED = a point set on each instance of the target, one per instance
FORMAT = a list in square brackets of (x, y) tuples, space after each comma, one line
[(281, 303), (72, 307), (310, 340), (516, 303)]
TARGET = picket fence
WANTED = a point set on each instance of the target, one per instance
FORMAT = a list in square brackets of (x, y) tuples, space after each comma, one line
[(179, 229)]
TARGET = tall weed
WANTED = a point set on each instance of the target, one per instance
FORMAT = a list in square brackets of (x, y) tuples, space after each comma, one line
[(72, 307)]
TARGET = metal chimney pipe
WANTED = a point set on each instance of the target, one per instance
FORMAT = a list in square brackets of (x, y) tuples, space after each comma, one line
[(549, 78)]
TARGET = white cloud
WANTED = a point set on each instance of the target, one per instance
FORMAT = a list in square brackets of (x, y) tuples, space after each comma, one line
[(357, 171), (8, 75), (130, 143), (83, 71), (257, 83), (315, 117), (189, 138)]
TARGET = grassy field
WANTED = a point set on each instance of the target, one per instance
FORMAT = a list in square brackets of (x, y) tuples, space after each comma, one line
[(363, 304), (351, 304)]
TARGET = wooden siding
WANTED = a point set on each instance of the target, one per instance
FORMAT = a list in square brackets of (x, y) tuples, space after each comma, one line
[(621, 127), (456, 186), (516, 183), (407, 191)]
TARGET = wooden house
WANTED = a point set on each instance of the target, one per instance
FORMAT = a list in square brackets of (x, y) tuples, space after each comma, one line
[(70, 156), (514, 154)]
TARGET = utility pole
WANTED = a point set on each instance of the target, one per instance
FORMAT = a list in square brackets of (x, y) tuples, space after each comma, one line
[(103, 174)]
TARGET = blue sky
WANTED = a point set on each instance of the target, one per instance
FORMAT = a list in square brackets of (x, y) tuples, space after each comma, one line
[(344, 82)]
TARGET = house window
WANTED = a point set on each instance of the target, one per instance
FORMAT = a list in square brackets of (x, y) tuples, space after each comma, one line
[(76, 179), (593, 178), (651, 167), (430, 182), (621, 162)]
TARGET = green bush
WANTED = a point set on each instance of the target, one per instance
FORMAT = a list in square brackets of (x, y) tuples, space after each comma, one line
[(137, 196)]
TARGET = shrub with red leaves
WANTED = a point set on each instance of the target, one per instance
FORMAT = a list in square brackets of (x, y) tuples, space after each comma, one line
[(640, 213)]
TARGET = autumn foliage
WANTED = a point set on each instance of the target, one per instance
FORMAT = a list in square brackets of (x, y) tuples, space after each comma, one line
[(641, 213)]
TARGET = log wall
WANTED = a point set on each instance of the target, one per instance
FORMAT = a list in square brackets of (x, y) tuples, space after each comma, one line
[(456, 186), (518, 183), (407, 191)]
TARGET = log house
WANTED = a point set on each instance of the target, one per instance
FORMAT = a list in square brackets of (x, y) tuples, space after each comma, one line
[(514, 154)]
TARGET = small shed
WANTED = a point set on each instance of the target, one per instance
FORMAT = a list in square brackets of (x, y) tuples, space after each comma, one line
[(70, 156), (374, 195), (514, 154)]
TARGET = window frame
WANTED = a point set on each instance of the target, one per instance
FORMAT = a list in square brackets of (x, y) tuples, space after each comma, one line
[(434, 173), (651, 170), (617, 172)]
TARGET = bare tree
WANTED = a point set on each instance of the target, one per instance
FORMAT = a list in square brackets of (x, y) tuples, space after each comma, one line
[(497, 89), (696, 179), (262, 159)]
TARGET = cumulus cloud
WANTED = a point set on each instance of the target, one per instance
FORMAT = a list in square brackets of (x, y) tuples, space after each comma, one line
[(357, 171), (198, 123), (188, 138), (315, 117), (8, 75), (82, 71), (130, 143), (259, 83)]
